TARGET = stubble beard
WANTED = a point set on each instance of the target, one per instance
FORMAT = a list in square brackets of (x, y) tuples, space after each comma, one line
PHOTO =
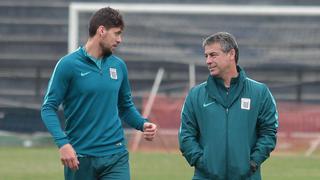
[(105, 50)]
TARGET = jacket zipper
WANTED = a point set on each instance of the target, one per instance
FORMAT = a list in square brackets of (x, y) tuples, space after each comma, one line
[(99, 68), (227, 133)]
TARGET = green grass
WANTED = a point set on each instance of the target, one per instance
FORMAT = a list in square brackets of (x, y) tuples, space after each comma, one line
[(159, 166), (292, 168), (30, 164), (44, 163)]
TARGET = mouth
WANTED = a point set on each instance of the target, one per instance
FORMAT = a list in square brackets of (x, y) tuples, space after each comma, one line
[(211, 68)]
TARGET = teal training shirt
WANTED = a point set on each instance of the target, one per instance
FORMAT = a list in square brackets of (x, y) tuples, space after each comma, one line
[(94, 99)]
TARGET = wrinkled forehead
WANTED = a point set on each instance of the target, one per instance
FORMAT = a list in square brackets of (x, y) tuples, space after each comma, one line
[(213, 47)]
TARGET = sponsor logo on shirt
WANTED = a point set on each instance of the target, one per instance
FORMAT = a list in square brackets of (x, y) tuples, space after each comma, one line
[(207, 104), (85, 73), (245, 103), (113, 73)]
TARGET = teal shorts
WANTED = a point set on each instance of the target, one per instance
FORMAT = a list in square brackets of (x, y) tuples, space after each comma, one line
[(115, 167)]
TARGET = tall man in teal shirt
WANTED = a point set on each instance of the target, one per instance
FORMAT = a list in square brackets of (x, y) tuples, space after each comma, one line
[(93, 87), (228, 123)]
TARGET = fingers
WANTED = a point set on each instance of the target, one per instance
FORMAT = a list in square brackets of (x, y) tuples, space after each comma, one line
[(71, 162), (149, 127), (149, 136), (149, 131), (68, 157), (153, 129)]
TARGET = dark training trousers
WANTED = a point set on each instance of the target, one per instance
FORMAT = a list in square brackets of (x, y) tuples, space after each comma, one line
[(115, 167)]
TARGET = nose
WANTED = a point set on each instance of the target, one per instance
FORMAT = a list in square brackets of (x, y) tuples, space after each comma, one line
[(208, 60), (119, 39)]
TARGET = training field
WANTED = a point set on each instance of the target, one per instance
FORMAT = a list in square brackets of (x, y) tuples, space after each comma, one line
[(43, 163)]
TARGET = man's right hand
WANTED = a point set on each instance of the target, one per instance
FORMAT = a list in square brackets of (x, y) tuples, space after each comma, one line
[(68, 157)]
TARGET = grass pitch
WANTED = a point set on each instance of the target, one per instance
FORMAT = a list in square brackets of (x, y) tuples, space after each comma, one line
[(44, 163)]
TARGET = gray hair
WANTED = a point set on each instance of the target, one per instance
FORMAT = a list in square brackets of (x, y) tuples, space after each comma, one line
[(226, 40)]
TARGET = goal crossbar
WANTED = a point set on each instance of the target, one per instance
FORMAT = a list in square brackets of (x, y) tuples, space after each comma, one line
[(249, 10)]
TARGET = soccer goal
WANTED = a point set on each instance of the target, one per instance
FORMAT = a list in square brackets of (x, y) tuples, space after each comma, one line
[(272, 40), (76, 8)]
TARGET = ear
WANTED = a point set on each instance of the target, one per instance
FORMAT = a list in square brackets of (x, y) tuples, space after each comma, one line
[(232, 54), (101, 30)]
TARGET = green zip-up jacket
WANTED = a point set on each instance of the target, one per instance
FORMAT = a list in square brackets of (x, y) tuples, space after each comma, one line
[(94, 97), (223, 130)]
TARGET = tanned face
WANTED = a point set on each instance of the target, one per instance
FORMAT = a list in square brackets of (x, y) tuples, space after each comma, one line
[(219, 63), (109, 39)]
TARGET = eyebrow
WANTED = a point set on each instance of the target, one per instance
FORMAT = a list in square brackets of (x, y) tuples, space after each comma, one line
[(212, 52)]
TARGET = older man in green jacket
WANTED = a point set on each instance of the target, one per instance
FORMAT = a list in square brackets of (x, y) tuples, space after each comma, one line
[(228, 123)]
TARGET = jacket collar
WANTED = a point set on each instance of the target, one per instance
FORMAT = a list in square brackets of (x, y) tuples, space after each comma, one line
[(90, 58), (216, 89)]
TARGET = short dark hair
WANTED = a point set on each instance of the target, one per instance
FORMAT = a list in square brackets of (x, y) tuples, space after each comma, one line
[(226, 40), (106, 17)]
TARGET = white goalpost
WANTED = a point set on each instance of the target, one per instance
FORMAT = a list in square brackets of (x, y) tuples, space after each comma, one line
[(76, 8)]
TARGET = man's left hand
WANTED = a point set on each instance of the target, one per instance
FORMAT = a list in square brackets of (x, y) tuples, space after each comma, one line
[(149, 131)]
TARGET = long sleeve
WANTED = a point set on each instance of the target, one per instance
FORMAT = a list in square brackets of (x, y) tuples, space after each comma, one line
[(56, 91), (188, 135), (266, 128), (127, 110)]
